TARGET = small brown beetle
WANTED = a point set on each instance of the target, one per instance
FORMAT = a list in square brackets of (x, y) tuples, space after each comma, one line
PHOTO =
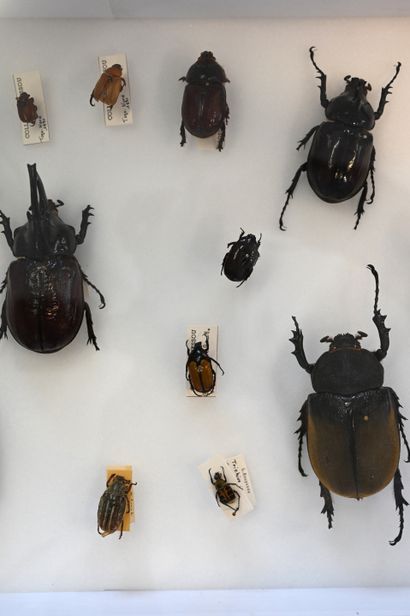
[(109, 86), (113, 505), (26, 109), (223, 492), (198, 370)]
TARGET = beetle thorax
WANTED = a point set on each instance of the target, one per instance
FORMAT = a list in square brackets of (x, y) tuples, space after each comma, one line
[(344, 341)]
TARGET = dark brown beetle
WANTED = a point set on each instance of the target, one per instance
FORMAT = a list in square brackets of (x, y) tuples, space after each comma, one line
[(204, 108), (26, 109), (224, 493), (44, 305), (109, 86), (341, 158), (352, 423), (239, 262), (198, 370), (113, 505)]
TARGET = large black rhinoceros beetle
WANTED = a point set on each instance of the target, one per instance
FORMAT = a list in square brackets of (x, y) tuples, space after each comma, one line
[(342, 154), (243, 254), (205, 111), (44, 303), (352, 423)]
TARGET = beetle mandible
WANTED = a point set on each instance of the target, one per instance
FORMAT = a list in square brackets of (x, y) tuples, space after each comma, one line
[(239, 262), (224, 493), (352, 423), (113, 505), (205, 111), (199, 371), (26, 108), (44, 303), (341, 157), (109, 86)]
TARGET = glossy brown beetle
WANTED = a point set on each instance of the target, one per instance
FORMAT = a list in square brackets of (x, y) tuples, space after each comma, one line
[(44, 305), (239, 262), (205, 111), (26, 109), (224, 493), (113, 505), (199, 371), (341, 157), (109, 86), (352, 423)]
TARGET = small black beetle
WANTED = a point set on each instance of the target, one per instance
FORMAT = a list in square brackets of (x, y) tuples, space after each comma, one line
[(44, 305), (239, 262), (113, 505), (342, 154), (223, 492), (198, 369), (352, 423), (204, 107)]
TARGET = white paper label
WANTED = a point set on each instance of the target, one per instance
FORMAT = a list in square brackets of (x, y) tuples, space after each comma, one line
[(237, 475), (121, 113), (31, 83), (196, 333)]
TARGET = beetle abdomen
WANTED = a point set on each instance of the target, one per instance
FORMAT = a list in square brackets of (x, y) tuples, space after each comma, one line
[(203, 108), (347, 371), (354, 441), (339, 161), (111, 510), (226, 494), (44, 302), (202, 376)]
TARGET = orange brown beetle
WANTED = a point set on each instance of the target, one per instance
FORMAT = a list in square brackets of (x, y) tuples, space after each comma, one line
[(26, 109), (109, 86), (199, 371)]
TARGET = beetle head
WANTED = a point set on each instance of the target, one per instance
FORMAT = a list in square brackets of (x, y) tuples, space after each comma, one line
[(356, 86), (206, 57), (344, 341), (217, 476), (115, 70)]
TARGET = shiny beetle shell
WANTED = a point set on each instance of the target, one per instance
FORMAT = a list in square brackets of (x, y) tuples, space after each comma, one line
[(239, 262), (204, 110), (26, 109), (113, 505), (109, 86), (352, 423), (199, 371), (341, 158), (44, 305)]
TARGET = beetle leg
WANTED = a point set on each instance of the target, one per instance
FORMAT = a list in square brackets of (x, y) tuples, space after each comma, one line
[(90, 284), (360, 207), (3, 284), (219, 366), (328, 506), (299, 352), (217, 499), (80, 237), (290, 192), (91, 99), (234, 509), (221, 136), (91, 335), (223, 472), (307, 137), (123, 83), (371, 171), (301, 432), (122, 528), (3, 325), (403, 434), (322, 78), (182, 133), (400, 503), (227, 112), (5, 221), (385, 92), (210, 476)]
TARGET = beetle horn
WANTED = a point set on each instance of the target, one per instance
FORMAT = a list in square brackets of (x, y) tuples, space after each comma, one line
[(32, 172), (360, 335), (376, 278), (42, 194), (368, 87), (326, 339), (348, 78)]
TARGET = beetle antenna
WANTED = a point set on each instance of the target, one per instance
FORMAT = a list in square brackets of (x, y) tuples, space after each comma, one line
[(376, 278), (326, 339), (347, 78)]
